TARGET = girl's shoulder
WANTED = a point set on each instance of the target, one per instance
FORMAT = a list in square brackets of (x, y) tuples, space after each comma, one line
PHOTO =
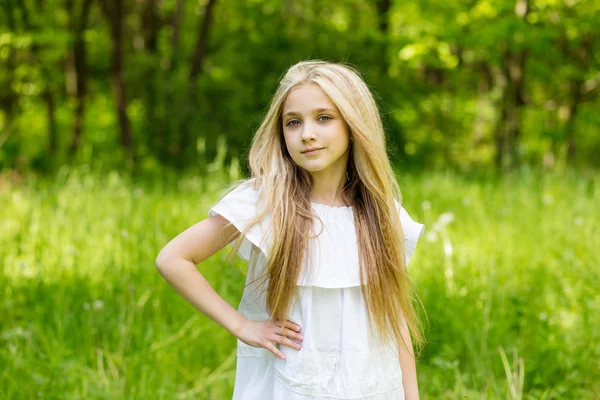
[(410, 227), (240, 204), (411, 230), (244, 192), (238, 201)]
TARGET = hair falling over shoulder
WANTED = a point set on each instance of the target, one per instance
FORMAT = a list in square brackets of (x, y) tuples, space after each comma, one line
[(371, 189)]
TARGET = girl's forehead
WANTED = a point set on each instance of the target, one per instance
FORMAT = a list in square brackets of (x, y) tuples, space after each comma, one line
[(307, 97)]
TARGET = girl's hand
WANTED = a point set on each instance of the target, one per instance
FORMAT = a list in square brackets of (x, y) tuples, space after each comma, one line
[(264, 333)]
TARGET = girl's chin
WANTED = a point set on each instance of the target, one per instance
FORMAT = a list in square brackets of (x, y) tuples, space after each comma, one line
[(313, 168), (312, 165)]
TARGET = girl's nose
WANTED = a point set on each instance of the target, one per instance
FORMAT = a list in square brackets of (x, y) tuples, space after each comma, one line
[(308, 133)]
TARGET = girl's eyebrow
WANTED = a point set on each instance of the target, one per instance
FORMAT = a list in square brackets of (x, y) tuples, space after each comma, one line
[(316, 110)]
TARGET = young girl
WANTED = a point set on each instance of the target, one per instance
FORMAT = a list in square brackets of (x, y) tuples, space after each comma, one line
[(327, 308)]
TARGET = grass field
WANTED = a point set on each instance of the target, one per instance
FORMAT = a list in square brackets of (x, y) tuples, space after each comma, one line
[(508, 271)]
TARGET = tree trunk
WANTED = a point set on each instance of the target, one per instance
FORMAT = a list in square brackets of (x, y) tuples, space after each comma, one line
[(114, 13), (151, 25), (515, 104), (570, 122), (484, 84), (508, 127), (176, 22), (52, 134), (196, 68), (80, 72), (8, 97), (396, 140), (47, 95), (383, 8), (197, 61), (154, 125)]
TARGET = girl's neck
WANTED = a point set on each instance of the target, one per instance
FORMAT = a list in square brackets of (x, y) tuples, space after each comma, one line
[(328, 187), (332, 199)]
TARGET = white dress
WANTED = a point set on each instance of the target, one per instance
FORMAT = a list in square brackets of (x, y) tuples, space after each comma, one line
[(338, 358)]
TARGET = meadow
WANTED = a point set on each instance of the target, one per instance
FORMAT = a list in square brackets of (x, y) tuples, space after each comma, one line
[(508, 271)]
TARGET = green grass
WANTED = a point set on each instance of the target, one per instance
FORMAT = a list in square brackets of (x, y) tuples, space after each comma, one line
[(508, 272)]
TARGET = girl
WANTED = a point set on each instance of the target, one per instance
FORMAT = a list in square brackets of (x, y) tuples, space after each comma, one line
[(327, 310)]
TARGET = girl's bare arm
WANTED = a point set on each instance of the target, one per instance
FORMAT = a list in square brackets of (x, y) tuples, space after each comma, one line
[(409, 368), (177, 262)]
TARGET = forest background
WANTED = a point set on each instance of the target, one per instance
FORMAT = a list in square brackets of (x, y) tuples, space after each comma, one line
[(121, 121)]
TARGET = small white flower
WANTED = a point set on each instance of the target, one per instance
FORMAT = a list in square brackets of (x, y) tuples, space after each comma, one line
[(426, 205), (98, 305), (447, 248), (431, 236), (446, 218)]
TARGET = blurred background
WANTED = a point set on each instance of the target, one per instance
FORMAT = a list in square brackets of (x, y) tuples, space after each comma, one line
[(121, 122)]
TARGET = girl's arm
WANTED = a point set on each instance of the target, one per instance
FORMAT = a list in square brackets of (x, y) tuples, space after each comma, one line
[(177, 265), (408, 366), (177, 262)]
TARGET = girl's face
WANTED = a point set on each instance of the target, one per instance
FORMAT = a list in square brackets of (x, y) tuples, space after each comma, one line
[(311, 121)]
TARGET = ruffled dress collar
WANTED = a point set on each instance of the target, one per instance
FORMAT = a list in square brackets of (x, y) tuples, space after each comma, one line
[(333, 212)]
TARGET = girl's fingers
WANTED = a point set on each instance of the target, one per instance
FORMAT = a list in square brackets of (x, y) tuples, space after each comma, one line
[(292, 344), (271, 347), (287, 342), (294, 326), (293, 334), (291, 325)]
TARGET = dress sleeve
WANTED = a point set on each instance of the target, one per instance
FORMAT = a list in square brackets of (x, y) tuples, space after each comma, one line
[(239, 207), (412, 231)]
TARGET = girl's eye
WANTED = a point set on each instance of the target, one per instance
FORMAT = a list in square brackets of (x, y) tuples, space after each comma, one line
[(295, 120)]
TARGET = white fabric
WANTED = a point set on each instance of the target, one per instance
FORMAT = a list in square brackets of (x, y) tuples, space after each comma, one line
[(338, 359)]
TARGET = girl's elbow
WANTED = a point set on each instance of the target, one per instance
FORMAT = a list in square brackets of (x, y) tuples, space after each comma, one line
[(162, 262)]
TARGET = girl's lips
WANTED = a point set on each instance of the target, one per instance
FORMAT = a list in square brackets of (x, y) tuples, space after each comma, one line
[(315, 151)]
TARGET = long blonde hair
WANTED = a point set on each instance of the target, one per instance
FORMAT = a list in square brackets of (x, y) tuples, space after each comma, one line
[(371, 189)]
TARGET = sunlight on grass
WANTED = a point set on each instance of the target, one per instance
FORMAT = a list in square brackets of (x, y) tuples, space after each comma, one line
[(507, 270)]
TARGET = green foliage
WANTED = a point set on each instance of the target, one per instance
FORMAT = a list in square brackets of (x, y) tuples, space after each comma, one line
[(507, 271), (459, 83)]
